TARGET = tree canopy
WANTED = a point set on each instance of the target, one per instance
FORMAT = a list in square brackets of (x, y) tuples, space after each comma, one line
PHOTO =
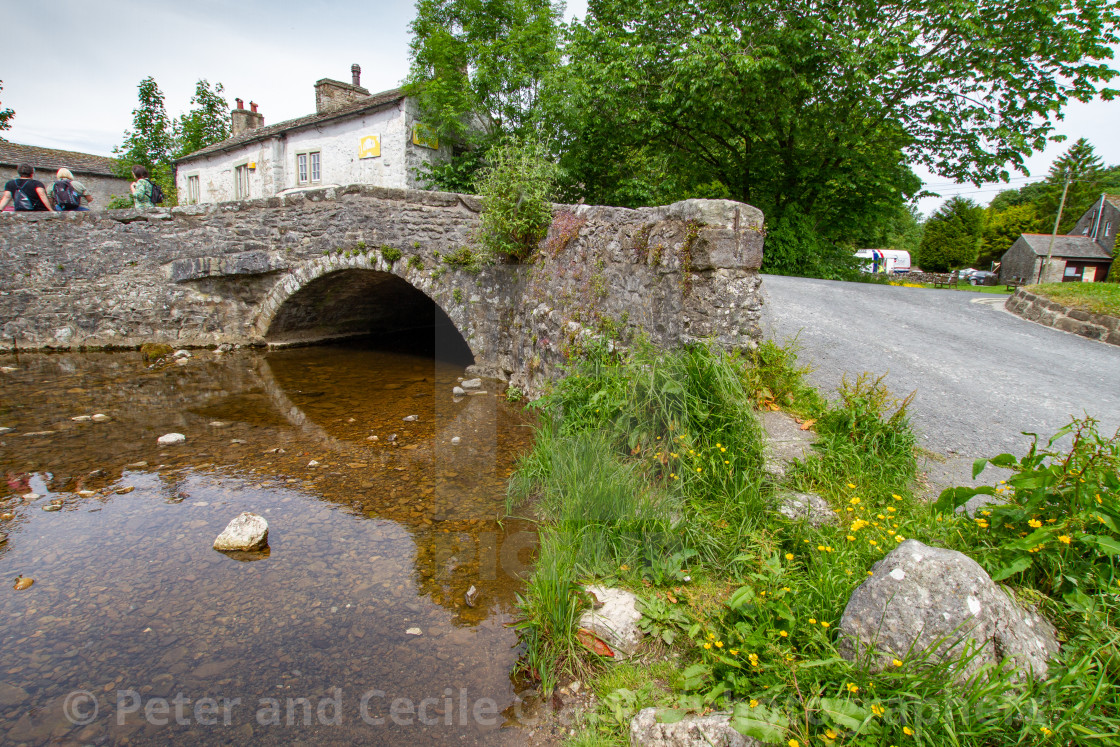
[(206, 123), (811, 111), (952, 236)]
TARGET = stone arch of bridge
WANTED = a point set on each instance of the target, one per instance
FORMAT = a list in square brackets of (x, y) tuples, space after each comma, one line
[(337, 297)]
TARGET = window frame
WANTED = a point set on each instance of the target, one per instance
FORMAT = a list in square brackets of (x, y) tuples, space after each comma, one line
[(312, 162), (238, 170), (194, 188)]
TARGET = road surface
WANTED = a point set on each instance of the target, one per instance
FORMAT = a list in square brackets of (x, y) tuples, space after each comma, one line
[(983, 375)]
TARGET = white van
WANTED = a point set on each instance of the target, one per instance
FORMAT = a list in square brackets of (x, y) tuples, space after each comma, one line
[(889, 261)]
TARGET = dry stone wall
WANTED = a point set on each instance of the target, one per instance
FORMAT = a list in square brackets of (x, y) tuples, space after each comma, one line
[(342, 261), (1053, 314)]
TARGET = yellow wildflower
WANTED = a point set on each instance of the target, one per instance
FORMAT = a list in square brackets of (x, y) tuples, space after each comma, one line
[(1034, 523), (719, 644), (754, 703), (896, 496), (897, 662), (908, 731), (707, 645), (873, 543), (1063, 538), (783, 634), (853, 487), (812, 621), (830, 733), (1045, 732), (820, 548), (851, 538), (789, 556), (852, 687), (891, 509), (734, 652), (877, 709), (824, 624), (794, 743), (899, 538)]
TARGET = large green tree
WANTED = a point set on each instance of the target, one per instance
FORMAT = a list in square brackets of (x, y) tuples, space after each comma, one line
[(205, 124), (1002, 228), (149, 142), (952, 236), (1083, 169), (816, 108), (478, 68), (6, 115)]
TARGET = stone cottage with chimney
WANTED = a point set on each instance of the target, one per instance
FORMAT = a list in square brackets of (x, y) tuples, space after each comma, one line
[(1085, 254), (96, 173), (354, 137)]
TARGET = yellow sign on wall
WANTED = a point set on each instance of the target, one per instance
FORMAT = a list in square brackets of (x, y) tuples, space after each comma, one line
[(424, 136), (369, 147)]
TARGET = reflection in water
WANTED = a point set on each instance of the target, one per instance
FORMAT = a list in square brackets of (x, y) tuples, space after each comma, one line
[(378, 541)]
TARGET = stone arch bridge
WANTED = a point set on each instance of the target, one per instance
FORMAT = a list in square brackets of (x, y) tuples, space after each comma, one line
[(341, 262)]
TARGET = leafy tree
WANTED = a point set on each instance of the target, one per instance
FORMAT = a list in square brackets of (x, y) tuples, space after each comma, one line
[(952, 236), (816, 108), (6, 115), (478, 70), (149, 142), (1003, 227), (205, 124)]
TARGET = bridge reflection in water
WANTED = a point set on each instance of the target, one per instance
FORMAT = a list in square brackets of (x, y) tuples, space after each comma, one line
[(382, 536)]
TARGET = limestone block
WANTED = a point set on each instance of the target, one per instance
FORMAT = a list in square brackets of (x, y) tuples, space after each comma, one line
[(712, 730), (616, 621), (941, 603)]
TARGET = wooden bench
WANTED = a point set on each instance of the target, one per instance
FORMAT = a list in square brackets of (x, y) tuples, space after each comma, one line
[(1014, 283), (945, 281)]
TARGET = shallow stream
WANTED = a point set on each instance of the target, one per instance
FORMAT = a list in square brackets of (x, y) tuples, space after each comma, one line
[(353, 628)]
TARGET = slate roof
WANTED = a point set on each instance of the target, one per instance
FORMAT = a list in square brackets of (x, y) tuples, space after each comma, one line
[(376, 101), (49, 159), (1071, 247), (1113, 200)]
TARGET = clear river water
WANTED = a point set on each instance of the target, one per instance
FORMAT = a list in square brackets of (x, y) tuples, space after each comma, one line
[(352, 628)]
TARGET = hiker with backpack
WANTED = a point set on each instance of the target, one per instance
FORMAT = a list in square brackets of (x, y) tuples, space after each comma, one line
[(67, 194), (146, 194), (25, 193)]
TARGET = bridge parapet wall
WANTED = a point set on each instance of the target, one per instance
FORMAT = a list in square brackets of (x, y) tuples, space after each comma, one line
[(211, 274)]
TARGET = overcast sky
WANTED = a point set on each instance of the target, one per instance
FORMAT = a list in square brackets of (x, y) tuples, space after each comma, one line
[(70, 69)]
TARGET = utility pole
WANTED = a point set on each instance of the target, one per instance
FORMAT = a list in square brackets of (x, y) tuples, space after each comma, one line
[(1054, 233)]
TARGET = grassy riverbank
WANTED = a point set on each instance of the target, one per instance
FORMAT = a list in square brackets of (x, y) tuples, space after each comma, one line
[(647, 474)]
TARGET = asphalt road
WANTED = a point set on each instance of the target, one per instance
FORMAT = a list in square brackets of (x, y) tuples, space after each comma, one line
[(983, 376)]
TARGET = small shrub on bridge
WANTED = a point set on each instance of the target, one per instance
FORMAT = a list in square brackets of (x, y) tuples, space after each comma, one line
[(390, 254), (516, 189)]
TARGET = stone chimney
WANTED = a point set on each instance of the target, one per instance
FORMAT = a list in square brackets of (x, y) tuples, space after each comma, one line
[(334, 94), (243, 120), (356, 74)]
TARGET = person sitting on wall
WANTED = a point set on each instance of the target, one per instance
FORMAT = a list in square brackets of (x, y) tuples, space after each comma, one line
[(24, 192), (141, 189), (66, 182)]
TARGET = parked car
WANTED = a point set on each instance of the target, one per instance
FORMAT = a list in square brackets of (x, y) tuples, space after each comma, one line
[(982, 277)]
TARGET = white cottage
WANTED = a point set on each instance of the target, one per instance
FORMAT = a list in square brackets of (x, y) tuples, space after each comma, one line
[(354, 137)]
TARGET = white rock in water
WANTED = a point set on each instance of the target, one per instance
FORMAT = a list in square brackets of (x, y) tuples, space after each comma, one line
[(31, 497), (455, 441), (313, 463), (5, 430), (8, 369), (472, 384), (218, 424), (81, 418), (411, 418), (101, 418), (246, 532), (182, 354), (171, 438), (458, 391), (414, 631)]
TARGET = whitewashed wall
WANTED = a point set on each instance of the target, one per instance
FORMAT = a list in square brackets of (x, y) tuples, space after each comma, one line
[(338, 141)]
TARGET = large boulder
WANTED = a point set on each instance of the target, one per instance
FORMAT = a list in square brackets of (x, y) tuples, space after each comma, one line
[(614, 619), (712, 730), (931, 601), (246, 533)]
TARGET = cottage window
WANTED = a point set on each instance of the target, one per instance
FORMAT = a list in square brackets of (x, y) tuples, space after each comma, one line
[(192, 190), (1108, 229), (241, 182), (309, 168)]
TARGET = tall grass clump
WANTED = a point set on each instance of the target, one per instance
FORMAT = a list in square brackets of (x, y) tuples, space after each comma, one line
[(864, 439)]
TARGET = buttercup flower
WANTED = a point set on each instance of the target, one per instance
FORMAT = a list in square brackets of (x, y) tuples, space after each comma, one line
[(1034, 523), (1064, 539), (908, 731)]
